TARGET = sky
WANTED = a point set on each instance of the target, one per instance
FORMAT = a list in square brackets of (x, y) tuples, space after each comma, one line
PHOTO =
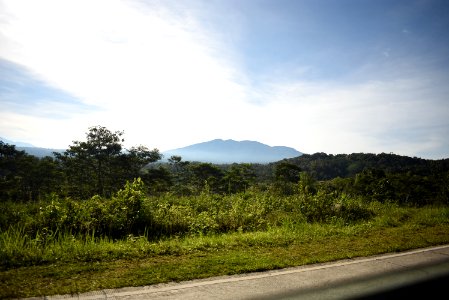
[(333, 76)]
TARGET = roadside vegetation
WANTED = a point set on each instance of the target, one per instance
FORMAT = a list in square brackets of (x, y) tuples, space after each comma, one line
[(99, 216)]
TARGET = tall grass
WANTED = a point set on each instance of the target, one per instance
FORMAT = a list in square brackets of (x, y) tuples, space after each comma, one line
[(131, 224), (18, 248), (131, 212)]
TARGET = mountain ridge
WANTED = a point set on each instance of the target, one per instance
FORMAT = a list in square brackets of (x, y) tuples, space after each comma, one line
[(213, 151), (231, 151), (16, 143)]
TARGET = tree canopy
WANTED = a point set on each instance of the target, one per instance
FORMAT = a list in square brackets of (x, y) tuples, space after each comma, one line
[(100, 165)]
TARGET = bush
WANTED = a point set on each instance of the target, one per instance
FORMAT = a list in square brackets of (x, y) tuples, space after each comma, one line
[(171, 219), (125, 208), (328, 207), (352, 210), (131, 211), (53, 215)]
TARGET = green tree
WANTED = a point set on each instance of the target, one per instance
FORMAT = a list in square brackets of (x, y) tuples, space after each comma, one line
[(158, 179), (287, 172), (99, 165), (239, 177), (42, 177), (11, 171), (207, 174), (373, 184), (88, 164), (286, 177), (132, 163), (25, 177), (181, 173)]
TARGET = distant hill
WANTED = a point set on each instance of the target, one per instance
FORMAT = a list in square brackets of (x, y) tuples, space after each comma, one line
[(230, 151), (216, 151), (18, 144), (31, 149), (39, 152), (324, 166)]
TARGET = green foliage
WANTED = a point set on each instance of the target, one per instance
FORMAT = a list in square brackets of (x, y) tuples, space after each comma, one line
[(159, 180), (239, 177), (53, 215), (203, 222), (96, 192), (86, 216), (131, 212), (100, 166), (307, 184), (24, 177), (206, 175), (172, 219), (324, 166), (287, 172), (243, 211), (317, 208), (20, 248), (125, 208), (99, 202)]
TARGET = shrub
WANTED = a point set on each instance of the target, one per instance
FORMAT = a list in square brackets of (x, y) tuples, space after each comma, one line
[(124, 208), (53, 215), (171, 219), (352, 210), (328, 207)]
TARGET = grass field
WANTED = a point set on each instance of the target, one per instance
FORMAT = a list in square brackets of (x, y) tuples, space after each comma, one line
[(68, 263)]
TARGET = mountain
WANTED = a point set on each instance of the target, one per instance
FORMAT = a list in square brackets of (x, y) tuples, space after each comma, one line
[(215, 151), (230, 151), (31, 149), (18, 144)]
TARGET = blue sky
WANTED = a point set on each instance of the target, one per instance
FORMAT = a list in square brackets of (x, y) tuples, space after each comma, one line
[(320, 76)]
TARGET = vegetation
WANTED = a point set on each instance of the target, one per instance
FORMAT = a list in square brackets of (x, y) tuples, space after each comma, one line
[(99, 209)]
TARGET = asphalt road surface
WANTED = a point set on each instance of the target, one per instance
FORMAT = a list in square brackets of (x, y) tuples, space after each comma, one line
[(416, 274)]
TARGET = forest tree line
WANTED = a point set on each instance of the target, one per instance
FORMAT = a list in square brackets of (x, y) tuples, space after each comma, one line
[(100, 165)]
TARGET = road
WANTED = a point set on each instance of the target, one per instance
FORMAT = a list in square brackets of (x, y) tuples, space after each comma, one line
[(417, 273)]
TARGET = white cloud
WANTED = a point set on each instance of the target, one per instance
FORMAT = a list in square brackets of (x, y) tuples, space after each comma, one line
[(168, 81), (403, 116), (152, 72)]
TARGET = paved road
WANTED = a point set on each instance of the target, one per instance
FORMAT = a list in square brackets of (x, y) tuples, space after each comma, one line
[(418, 273)]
